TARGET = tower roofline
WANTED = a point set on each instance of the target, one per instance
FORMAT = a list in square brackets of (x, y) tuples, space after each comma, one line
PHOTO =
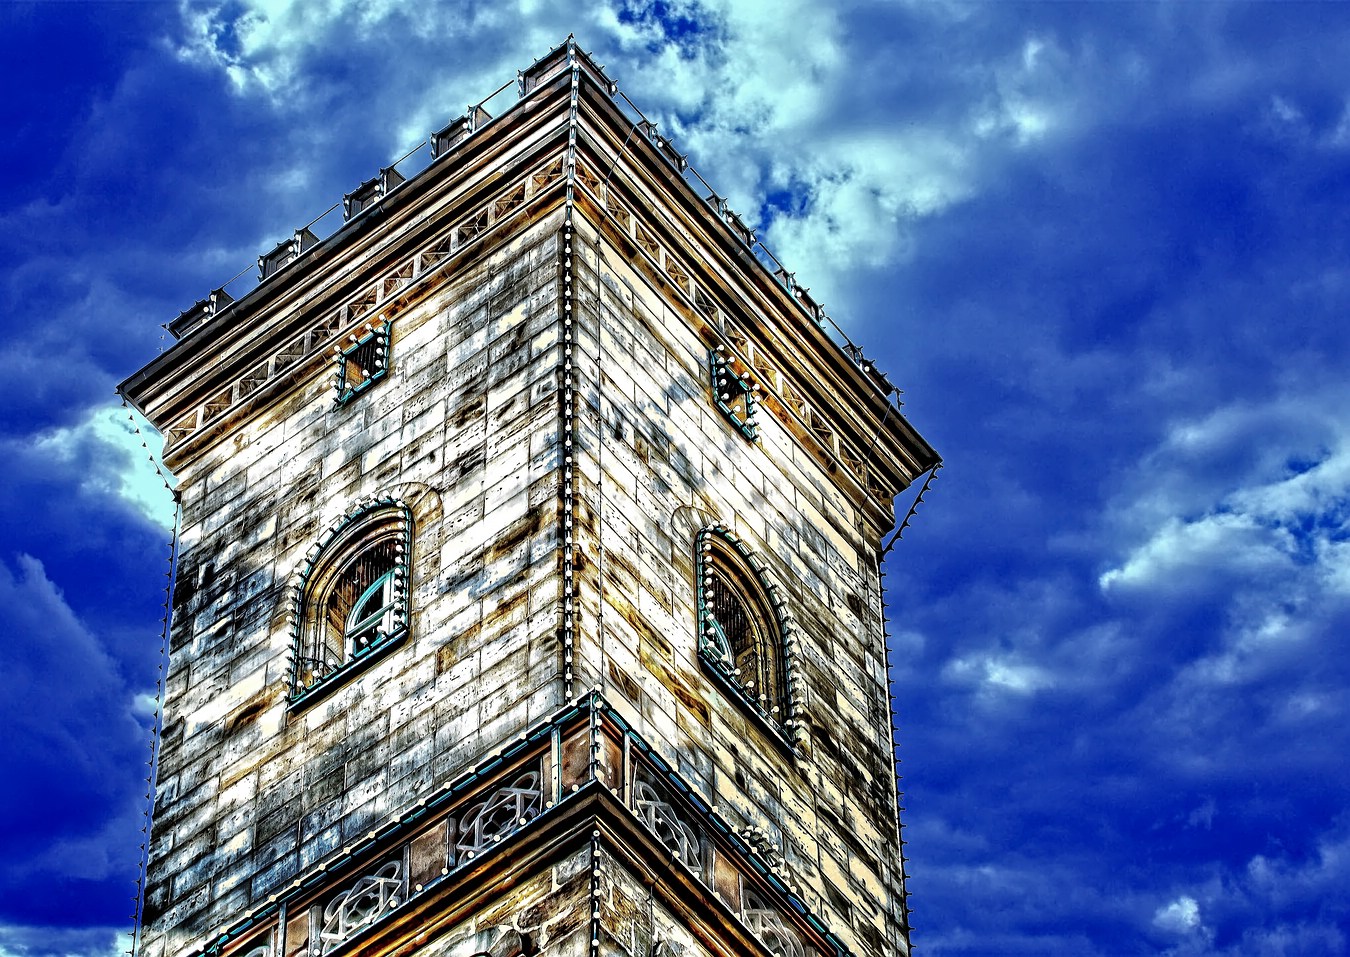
[(791, 326)]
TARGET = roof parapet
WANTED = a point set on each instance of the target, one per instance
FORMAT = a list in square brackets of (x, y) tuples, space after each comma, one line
[(560, 59), (801, 293), (742, 232), (866, 366), (370, 192), (458, 130), (285, 253), (199, 312), (664, 146)]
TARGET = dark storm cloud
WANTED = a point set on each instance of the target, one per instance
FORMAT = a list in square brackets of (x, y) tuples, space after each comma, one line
[(77, 754), (79, 654)]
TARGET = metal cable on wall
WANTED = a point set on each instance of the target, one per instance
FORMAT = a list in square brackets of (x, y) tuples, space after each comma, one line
[(157, 718)]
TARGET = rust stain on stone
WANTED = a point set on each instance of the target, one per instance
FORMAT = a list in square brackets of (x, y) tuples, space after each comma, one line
[(625, 683), (521, 531), (251, 709), (672, 682)]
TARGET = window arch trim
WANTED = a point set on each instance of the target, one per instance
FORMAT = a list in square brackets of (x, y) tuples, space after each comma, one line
[(335, 628), (723, 562)]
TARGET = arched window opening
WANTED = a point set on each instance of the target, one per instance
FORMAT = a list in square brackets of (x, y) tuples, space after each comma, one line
[(359, 609), (740, 632), (352, 598)]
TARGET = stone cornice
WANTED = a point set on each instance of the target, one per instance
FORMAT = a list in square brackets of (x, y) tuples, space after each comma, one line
[(591, 755), (379, 300), (830, 397), (428, 224)]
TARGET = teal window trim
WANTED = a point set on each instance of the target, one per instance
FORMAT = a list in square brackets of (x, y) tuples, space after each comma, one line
[(733, 394), (327, 649), (361, 363), (727, 573), (377, 622)]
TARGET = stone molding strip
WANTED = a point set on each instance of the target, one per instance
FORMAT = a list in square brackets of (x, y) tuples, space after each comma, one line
[(746, 359), (365, 306)]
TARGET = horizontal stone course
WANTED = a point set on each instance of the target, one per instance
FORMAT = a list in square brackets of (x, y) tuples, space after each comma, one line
[(472, 388)]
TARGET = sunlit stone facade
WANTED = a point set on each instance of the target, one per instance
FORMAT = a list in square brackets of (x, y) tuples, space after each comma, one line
[(528, 596)]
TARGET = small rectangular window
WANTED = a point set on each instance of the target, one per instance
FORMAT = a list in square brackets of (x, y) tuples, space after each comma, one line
[(362, 362)]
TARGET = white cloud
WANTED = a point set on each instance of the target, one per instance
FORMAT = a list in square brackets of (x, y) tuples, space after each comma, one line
[(1181, 550), (1035, 94), (1282, 879), (1247, 492), (998, 673), (860, 190), (1180, 916), (262, 47), (1290, 892), (1285, 120), (133, 476), (763, 96), (1243, 517), (267, 47), (1203, 816)]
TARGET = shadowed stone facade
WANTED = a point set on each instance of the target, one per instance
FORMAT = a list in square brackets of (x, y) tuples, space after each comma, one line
[(556, 737)]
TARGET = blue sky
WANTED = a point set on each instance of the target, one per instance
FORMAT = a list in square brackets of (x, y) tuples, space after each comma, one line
[(1104, 249)]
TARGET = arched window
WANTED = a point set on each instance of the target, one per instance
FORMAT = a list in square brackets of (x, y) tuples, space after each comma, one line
[(352, 594), (740, 629)]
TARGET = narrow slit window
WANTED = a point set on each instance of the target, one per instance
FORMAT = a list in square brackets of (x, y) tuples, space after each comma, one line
[(361, 362), (733, 394)]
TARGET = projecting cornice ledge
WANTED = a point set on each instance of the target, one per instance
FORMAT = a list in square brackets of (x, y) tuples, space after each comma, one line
[(582, 787)]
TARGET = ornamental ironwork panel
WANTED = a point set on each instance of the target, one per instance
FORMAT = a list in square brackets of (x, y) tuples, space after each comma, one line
[(370, 898), (505, 811), (665, 821), (768, 925)]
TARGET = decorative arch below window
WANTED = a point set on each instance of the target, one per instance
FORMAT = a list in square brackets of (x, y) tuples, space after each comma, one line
[(351, 596), (741, 631)]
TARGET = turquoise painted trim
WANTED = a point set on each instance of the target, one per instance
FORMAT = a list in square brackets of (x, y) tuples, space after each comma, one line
[(719, 367)]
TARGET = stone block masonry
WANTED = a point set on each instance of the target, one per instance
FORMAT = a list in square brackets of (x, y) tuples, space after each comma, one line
[(465, 430), (658, 463), (527, 598)]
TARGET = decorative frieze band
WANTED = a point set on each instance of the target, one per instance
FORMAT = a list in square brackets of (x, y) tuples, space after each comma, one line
[(362, 311), (362, 886), (740, 352)]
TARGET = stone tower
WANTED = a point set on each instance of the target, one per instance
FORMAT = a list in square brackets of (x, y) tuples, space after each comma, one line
[(528, 597)]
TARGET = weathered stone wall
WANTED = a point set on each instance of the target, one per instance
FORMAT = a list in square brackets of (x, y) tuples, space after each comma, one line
[(551, 910), (655, 459), (634, 920), (465, 429)]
